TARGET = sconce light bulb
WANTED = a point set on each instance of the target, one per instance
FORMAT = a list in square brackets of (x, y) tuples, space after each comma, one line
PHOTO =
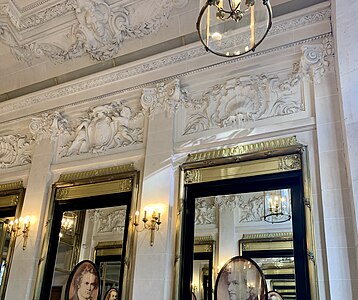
[(137, 213)]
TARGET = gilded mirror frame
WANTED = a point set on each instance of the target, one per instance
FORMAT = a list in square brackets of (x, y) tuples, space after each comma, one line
[(114, 180), (11, 197), (268, 157)]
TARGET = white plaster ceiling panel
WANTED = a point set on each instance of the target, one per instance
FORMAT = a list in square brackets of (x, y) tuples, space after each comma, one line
[(62, 32)]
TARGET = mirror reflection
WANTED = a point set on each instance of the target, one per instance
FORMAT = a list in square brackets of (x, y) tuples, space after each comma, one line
[(92, 234), (5, 237), (257, 225)]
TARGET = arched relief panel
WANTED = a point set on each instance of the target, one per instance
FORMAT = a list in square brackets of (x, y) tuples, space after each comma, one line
[(11, 200), (227, 184), (89, 209)]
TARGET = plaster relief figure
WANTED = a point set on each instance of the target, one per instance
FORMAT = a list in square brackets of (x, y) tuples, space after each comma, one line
[(106, 127)]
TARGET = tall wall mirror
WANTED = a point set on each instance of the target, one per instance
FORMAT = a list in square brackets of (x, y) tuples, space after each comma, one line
[(11, 199), (255, 209), (90, 222)]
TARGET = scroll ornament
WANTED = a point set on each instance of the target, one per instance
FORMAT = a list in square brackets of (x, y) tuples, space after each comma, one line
[(15, 150)]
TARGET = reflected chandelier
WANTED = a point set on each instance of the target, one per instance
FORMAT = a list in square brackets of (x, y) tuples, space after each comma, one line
[(233, 28)]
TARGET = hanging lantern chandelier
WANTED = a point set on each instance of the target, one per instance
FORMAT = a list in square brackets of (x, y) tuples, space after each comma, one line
[(233, 28), (277, 206)]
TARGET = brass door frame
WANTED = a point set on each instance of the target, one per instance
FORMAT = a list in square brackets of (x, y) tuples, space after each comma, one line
[(268, 157), (93, 183), (11, 195)]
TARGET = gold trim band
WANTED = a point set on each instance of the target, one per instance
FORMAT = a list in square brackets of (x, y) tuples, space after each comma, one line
[(244, 169), (95, 189), (96, 173), (11, 186), (244, 149)]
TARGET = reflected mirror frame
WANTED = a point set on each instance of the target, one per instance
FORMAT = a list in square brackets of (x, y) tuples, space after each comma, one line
[(17, 191), (190, 172), (130, 176)]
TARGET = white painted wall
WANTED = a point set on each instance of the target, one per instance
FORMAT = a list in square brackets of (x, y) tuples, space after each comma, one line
[(298, 68)]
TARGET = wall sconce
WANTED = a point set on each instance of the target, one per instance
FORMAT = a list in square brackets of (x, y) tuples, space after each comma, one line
[(16, 225), (152, 224)]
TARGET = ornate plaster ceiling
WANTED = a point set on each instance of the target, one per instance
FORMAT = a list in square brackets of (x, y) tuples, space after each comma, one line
[(47, 42)]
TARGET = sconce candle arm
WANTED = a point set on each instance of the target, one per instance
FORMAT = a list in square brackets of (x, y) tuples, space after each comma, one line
[(148, 224), (15, 228)]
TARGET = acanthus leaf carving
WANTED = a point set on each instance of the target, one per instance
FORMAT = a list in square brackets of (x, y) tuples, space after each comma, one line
[(15, 150), (48, 125), (165, 97), (317, 59), (105, 127)]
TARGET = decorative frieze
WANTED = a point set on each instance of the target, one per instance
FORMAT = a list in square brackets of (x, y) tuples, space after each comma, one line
[(241, 101), (109, 221), (103, 128), (15, 150), (249, 207)]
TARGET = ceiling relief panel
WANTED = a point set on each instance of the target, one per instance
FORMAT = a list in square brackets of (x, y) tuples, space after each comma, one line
[(99, 29), (102, 128), (242, 102), (15, 150)]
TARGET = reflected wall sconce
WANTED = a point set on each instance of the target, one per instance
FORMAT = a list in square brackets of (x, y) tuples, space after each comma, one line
[(151, 224), (16, 226)]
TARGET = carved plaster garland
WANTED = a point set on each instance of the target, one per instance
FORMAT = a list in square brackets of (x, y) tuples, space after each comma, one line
[(15, 150), (100, 31)]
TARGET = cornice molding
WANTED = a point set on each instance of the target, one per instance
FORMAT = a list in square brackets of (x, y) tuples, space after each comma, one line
[(152, 65)]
